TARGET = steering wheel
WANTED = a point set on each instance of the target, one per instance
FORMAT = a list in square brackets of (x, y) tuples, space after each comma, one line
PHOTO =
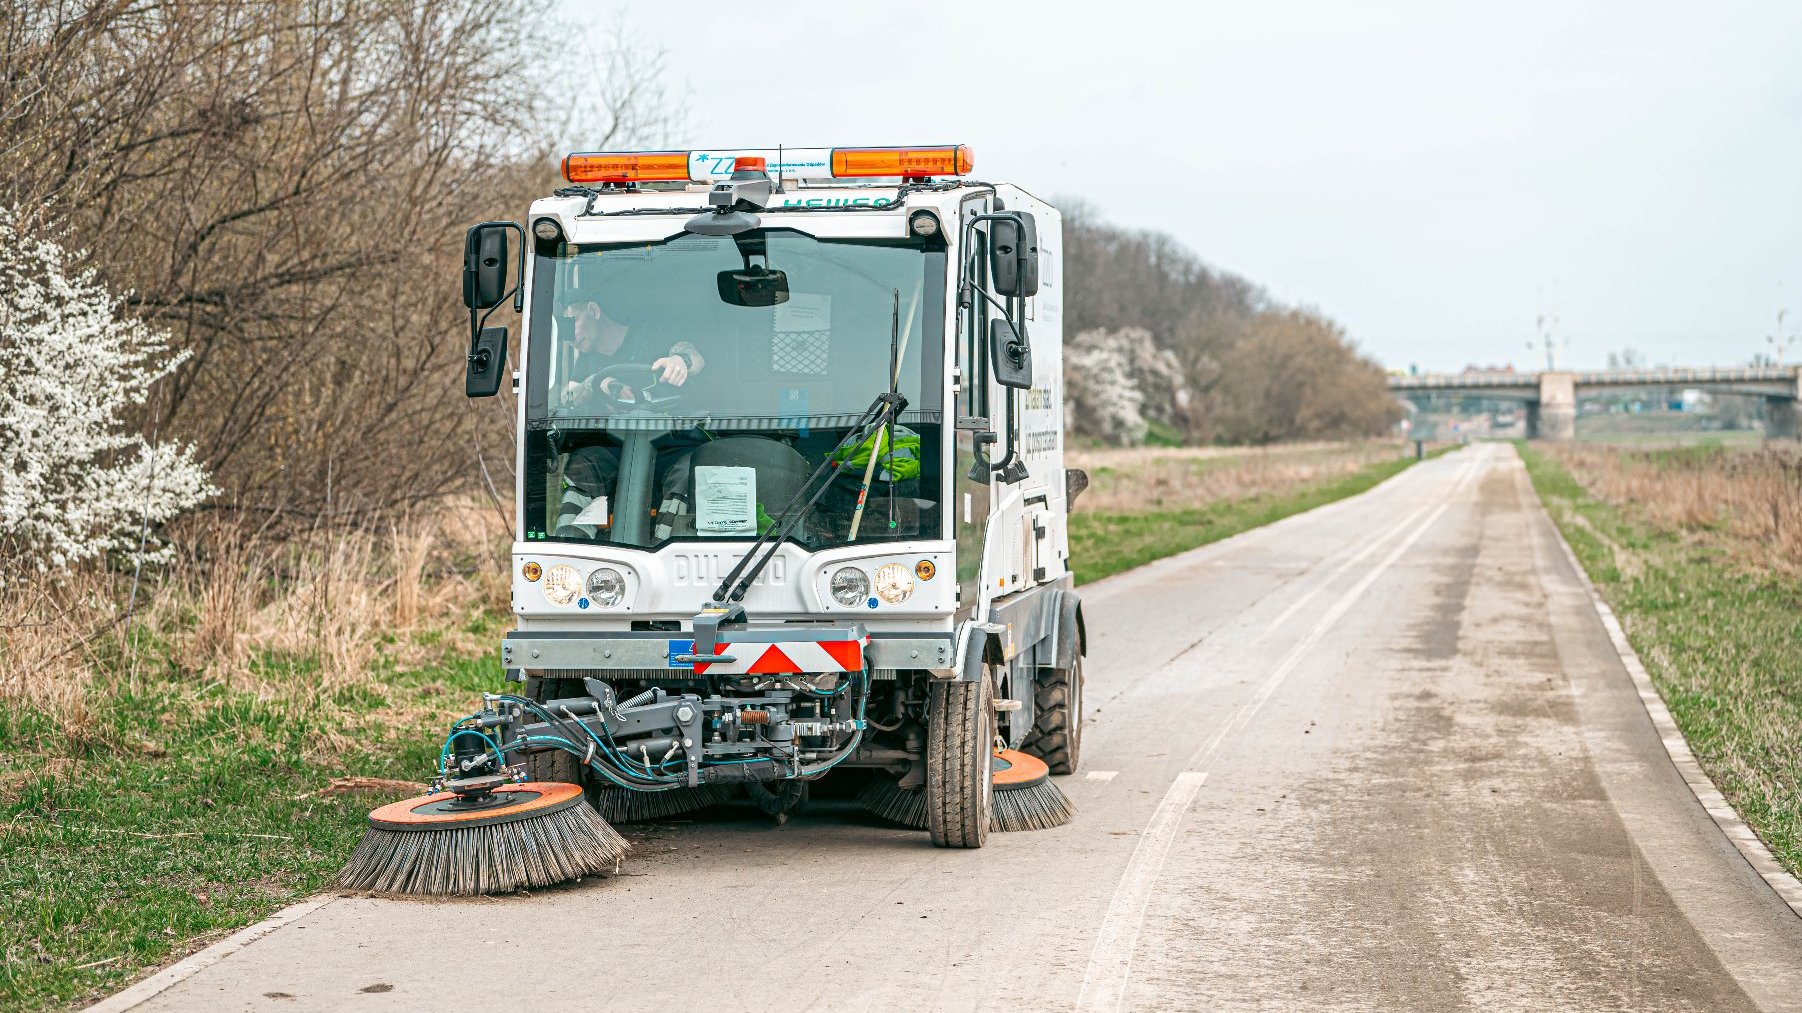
[(642, 380)]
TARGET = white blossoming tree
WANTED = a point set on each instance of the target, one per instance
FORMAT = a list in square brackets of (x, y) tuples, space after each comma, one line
[(75, 483), (1102, 396)]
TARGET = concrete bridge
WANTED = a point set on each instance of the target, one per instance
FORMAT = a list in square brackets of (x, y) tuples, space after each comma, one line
[(1551, 397)]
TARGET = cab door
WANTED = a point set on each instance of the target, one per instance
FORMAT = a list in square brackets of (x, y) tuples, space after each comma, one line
[(972, 496)]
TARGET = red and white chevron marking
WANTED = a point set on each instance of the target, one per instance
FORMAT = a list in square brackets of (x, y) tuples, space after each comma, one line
[(788, 658)]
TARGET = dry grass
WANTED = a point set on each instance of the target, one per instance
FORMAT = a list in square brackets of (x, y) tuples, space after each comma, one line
[(1154, 479), (1745, 500), (295, 619)]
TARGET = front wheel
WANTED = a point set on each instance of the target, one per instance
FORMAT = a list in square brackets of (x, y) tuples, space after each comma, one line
[(960, 734)]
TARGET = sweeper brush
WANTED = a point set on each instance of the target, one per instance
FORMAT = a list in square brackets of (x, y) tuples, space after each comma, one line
[(483, 835), (617, 805), (1024, 797)]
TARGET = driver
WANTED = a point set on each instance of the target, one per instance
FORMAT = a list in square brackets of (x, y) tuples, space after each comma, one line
[(600, 342)]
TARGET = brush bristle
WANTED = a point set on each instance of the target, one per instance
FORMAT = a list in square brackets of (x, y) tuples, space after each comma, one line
[(621, 805), (499, 858), (887, 799), (1038, 806)]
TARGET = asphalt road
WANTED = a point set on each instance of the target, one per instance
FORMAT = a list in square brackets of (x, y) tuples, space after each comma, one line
[(1379, 756)]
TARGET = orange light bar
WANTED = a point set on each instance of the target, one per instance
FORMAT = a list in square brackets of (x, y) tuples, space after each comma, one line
[(904, 162), (625, 166)]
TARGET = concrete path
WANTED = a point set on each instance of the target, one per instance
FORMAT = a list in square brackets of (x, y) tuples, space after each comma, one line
[(1380, 756)]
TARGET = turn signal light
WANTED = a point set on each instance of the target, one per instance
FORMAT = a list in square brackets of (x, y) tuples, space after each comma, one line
[(948, 160), (626, 166)]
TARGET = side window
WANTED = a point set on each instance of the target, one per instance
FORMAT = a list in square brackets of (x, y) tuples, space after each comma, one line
[(973, 352)]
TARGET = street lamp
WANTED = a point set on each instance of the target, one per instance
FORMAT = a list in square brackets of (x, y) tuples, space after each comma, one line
[(1780, 341)]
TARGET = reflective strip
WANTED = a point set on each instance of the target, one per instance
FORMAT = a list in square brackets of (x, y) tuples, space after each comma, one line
[(787, 658)]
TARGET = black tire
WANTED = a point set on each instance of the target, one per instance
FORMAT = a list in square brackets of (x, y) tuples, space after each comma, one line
[(554, 764), (1056, 734), (960, 733)]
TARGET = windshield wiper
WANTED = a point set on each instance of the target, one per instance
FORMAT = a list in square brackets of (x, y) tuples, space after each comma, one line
[(887, 407)]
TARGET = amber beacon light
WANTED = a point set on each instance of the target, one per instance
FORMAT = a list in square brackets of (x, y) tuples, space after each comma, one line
[(946, 160), (626, 166)]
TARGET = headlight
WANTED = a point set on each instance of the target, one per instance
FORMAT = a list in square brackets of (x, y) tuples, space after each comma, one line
[(606, 587), (561, 584), (894, 583), (850, 587)]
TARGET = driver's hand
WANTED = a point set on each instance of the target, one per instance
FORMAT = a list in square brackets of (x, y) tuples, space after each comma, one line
[(574, 392), (618, 391), (671, 369)]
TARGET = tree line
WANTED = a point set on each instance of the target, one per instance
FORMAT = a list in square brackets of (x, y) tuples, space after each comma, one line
[(1161, 345)]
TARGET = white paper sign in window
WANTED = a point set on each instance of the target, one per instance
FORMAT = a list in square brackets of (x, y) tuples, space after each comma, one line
[(725, 500)]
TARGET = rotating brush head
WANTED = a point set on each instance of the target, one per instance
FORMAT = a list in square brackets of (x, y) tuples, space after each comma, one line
[(1024, 797), (622, 805), (885, 797), (496, 840)]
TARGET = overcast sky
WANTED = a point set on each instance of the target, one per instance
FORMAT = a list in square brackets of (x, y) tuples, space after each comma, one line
[(1431, 175)]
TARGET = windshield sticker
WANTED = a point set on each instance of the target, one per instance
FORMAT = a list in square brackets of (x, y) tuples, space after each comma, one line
[(802, 342), (792, 411), (725, 500)]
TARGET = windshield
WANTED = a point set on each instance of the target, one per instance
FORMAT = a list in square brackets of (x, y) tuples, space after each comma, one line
[(686, 389)]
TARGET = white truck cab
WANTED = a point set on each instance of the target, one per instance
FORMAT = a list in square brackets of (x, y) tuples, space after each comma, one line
[(790, 460)]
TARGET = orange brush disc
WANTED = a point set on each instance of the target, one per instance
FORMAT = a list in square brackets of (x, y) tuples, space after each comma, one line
[(449, 811), (1011, 769)]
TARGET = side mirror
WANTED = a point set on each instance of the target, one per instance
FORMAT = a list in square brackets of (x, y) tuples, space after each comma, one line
[(753, 286), (487, 358), (485, 265), (1014, 255), (1010, 356)]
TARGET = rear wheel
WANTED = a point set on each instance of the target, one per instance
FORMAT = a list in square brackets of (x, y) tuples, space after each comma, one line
[(1056, 735), (960, 734)]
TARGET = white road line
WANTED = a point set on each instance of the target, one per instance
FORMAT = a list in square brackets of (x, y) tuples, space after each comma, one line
[(1354, 559), (1110, 961), (1327, 621), (1100, 775), (1105, 983)]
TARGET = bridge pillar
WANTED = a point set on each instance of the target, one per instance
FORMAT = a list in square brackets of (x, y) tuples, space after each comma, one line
[(1554, 418), (1783, 419)]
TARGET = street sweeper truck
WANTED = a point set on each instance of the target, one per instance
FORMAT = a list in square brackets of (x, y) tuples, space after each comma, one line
[(791, 502)]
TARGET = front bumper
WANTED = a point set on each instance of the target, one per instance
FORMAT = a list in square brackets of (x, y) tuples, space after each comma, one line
[(798, 648)]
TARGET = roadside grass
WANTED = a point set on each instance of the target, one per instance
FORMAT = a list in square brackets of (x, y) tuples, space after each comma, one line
[(1715, 614), (186, 811), (1109, 541)]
